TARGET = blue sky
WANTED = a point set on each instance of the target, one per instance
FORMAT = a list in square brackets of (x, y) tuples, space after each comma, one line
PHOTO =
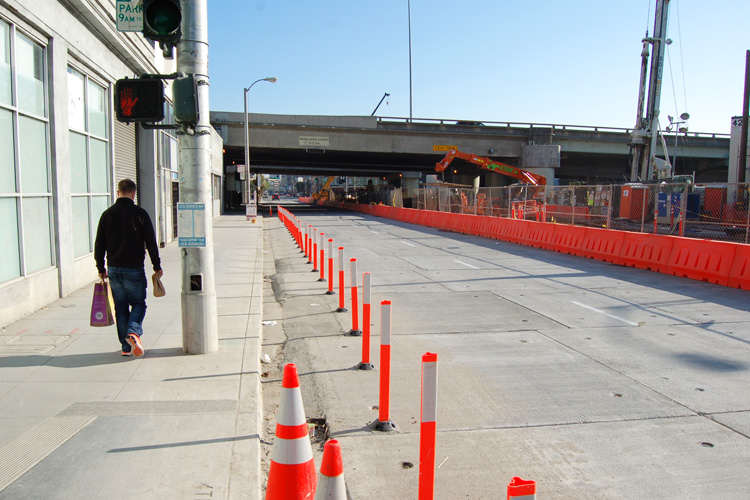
[(571, 62)]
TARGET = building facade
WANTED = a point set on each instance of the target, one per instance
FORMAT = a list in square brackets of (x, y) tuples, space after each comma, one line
[(61, 150)]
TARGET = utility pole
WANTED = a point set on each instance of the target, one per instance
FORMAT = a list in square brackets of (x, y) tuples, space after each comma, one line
[(199, 317), (743, 138)]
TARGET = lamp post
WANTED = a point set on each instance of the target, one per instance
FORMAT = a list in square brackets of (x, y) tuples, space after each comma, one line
[(674, 123), (271, 79)]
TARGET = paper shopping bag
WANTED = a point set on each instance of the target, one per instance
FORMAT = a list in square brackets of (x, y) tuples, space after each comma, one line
[(102, 306), (159, 290)]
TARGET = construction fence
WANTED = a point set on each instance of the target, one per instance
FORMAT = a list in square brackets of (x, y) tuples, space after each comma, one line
[(706, 211)]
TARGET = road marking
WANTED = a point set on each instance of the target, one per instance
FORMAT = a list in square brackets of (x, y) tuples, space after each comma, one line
[(407, 243), (465, 264), (374, 232), (604, 313)]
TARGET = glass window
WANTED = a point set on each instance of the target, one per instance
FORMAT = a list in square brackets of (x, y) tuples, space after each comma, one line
[(98, 205), (81, 225), (7, 154), (9, 251), (88, 112), (99, 166), (30, 75), (78, 175), (97, 104), (24, 157), (76, 110), (32, 138), (5, 88), (36, 233)]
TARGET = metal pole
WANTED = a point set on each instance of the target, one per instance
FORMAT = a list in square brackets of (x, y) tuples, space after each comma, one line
[(249, 210), (411, 92), (199, 318), (247, 155), (743, 138)]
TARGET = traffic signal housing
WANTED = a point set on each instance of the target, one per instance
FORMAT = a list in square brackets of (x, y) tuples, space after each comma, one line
[(139, 100), (162, 20)]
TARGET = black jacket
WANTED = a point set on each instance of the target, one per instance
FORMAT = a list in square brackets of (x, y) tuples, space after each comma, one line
[(125, 231)]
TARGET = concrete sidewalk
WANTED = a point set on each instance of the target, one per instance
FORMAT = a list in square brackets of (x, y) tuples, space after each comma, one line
[(77, 420)]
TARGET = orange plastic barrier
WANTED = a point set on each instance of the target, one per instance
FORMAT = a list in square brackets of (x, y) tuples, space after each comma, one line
[(539, 235), (602, 244), (646, 251), (702, 260), (739, 275), (716, 262), (567, 239), (515, 230)]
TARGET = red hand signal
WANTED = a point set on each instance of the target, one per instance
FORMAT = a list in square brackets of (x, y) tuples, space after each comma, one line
[(127, 101)]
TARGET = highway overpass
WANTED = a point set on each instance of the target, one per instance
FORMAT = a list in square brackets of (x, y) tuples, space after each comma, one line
[(372, 146)]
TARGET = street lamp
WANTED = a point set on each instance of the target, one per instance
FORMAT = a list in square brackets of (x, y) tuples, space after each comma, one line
[(271, 79), (674, 123)]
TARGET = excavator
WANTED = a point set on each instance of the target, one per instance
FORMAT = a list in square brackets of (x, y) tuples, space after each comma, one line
[(524, 176), (323, 193), (492, 165)]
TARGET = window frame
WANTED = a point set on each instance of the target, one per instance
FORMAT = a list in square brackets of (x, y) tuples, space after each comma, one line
[(16, 113), (87, 79)]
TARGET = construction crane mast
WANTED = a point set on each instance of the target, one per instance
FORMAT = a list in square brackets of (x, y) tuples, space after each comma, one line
[(645, 135)]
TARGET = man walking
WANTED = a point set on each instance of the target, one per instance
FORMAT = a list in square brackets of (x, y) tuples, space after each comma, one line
[(125, 232)]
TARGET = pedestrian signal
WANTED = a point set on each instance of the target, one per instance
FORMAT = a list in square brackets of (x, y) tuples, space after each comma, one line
[(139, 100)]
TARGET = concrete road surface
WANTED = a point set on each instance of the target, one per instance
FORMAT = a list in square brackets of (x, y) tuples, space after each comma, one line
[(596, 381)]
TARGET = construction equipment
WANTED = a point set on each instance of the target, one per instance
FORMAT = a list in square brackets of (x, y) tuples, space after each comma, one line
[(491, 165), (324, 191)]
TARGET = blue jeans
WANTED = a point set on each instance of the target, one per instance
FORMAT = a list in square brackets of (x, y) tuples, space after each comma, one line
[(128, 287)]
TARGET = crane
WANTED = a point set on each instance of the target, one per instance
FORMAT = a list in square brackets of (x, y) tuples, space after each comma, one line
[(491, 165)]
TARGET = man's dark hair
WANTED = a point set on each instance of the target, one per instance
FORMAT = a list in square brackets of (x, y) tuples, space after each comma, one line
[(126, 186)]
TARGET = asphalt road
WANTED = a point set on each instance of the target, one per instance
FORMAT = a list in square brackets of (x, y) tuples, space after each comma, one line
[(595, 380)]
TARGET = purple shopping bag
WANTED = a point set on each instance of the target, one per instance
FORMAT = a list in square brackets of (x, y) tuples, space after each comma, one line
[(102, 308)]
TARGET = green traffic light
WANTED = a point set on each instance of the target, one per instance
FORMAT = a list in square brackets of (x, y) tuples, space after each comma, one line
[(163, 18)]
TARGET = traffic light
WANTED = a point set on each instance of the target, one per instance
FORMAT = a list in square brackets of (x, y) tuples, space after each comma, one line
[(162, 19), (139, 100)]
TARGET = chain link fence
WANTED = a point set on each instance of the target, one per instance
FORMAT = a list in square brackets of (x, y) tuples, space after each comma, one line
[(707, 211)]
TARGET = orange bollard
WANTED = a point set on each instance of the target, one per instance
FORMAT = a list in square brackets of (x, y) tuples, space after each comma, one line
[(428, 427), (322, 239), (341, 308), (520, 489), (365, 363), (309, 243), (355, 331), (315, 250), (292, 474), (331, 484), (330, 268), (383, 423), (304, 229)]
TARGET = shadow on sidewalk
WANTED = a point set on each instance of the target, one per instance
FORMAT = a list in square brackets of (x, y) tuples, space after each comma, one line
[(83, 360)]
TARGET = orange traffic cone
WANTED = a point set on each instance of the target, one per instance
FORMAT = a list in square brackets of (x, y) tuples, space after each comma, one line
[(521, 489), (331, 485), (292, 474)]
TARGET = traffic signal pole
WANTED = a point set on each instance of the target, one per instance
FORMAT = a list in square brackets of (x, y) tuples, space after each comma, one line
[(199, 315)]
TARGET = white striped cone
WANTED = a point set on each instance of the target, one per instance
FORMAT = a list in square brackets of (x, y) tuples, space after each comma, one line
[(292, 474), (331, 484)]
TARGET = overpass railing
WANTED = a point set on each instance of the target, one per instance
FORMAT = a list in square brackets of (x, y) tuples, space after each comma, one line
[(706, 211), (554, 126)]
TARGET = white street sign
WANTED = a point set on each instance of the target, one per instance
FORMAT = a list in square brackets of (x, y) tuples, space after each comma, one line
[(129, 15)]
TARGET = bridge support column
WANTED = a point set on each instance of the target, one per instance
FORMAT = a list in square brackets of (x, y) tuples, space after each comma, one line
[(541, 159)]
